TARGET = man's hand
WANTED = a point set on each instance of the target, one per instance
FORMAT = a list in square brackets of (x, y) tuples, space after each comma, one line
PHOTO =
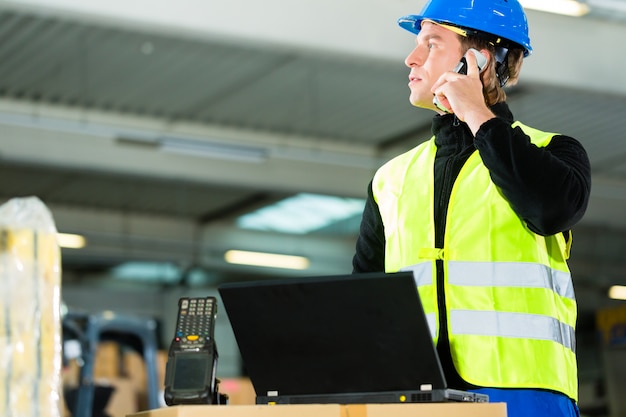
[(463, 94)]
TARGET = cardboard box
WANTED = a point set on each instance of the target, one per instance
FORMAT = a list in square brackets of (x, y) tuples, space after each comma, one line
[(326, 410), (134, 368), (107, 361), (333, 410), (123, 401)]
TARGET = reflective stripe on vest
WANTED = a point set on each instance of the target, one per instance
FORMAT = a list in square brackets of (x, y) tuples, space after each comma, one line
[(510, 303), (528, 326), (510, 274), (507, 275)]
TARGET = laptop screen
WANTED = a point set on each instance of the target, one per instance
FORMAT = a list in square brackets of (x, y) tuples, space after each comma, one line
[(333, 334)]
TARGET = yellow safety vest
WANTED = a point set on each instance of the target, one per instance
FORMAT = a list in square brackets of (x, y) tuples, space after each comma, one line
[(511, 309)]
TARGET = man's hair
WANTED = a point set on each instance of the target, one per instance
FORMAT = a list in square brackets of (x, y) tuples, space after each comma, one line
[(493, 91)]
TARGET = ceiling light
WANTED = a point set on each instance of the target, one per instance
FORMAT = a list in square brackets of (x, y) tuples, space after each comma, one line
[(213, 150), (617, 292), (270, 260), (564, 7), (71, 241), (154, 272)]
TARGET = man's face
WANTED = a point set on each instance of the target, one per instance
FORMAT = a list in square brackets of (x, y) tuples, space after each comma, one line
[(436, 51)]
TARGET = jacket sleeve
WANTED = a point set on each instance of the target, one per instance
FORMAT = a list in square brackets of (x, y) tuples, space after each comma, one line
[(547, 187), (370, 245)]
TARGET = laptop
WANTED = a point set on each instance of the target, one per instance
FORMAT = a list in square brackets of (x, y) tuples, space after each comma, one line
[(347, 339)]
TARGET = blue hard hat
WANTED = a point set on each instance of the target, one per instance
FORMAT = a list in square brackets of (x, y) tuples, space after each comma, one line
[(504, 19)]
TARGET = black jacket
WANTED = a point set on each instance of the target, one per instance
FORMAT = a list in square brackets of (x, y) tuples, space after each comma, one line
[(547, 187)]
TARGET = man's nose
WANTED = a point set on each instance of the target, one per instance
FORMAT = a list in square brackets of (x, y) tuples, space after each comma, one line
[(415, 58)]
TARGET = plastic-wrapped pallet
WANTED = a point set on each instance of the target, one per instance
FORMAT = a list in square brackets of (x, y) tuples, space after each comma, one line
[(30, 322)]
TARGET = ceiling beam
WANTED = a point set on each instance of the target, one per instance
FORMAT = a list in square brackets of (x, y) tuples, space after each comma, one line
[(54, 136)]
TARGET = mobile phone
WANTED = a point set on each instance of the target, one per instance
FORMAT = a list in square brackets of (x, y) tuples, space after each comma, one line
[(192, 357), (461, 68)]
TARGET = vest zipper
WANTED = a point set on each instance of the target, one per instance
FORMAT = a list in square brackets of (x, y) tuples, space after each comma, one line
[(446, 189), (451, 168)]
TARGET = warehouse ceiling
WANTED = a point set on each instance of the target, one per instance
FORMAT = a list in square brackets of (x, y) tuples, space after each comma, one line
[(150, 127)]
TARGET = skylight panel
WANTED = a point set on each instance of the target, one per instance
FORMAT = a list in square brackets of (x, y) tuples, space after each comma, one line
[(302, 213)]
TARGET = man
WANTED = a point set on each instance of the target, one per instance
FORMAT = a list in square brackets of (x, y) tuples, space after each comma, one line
[(482, 214)]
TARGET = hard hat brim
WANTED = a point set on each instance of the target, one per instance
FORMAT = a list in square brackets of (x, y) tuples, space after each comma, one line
[(413, 24)]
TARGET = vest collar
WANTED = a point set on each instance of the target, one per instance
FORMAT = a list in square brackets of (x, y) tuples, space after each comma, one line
[(445, 127)]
